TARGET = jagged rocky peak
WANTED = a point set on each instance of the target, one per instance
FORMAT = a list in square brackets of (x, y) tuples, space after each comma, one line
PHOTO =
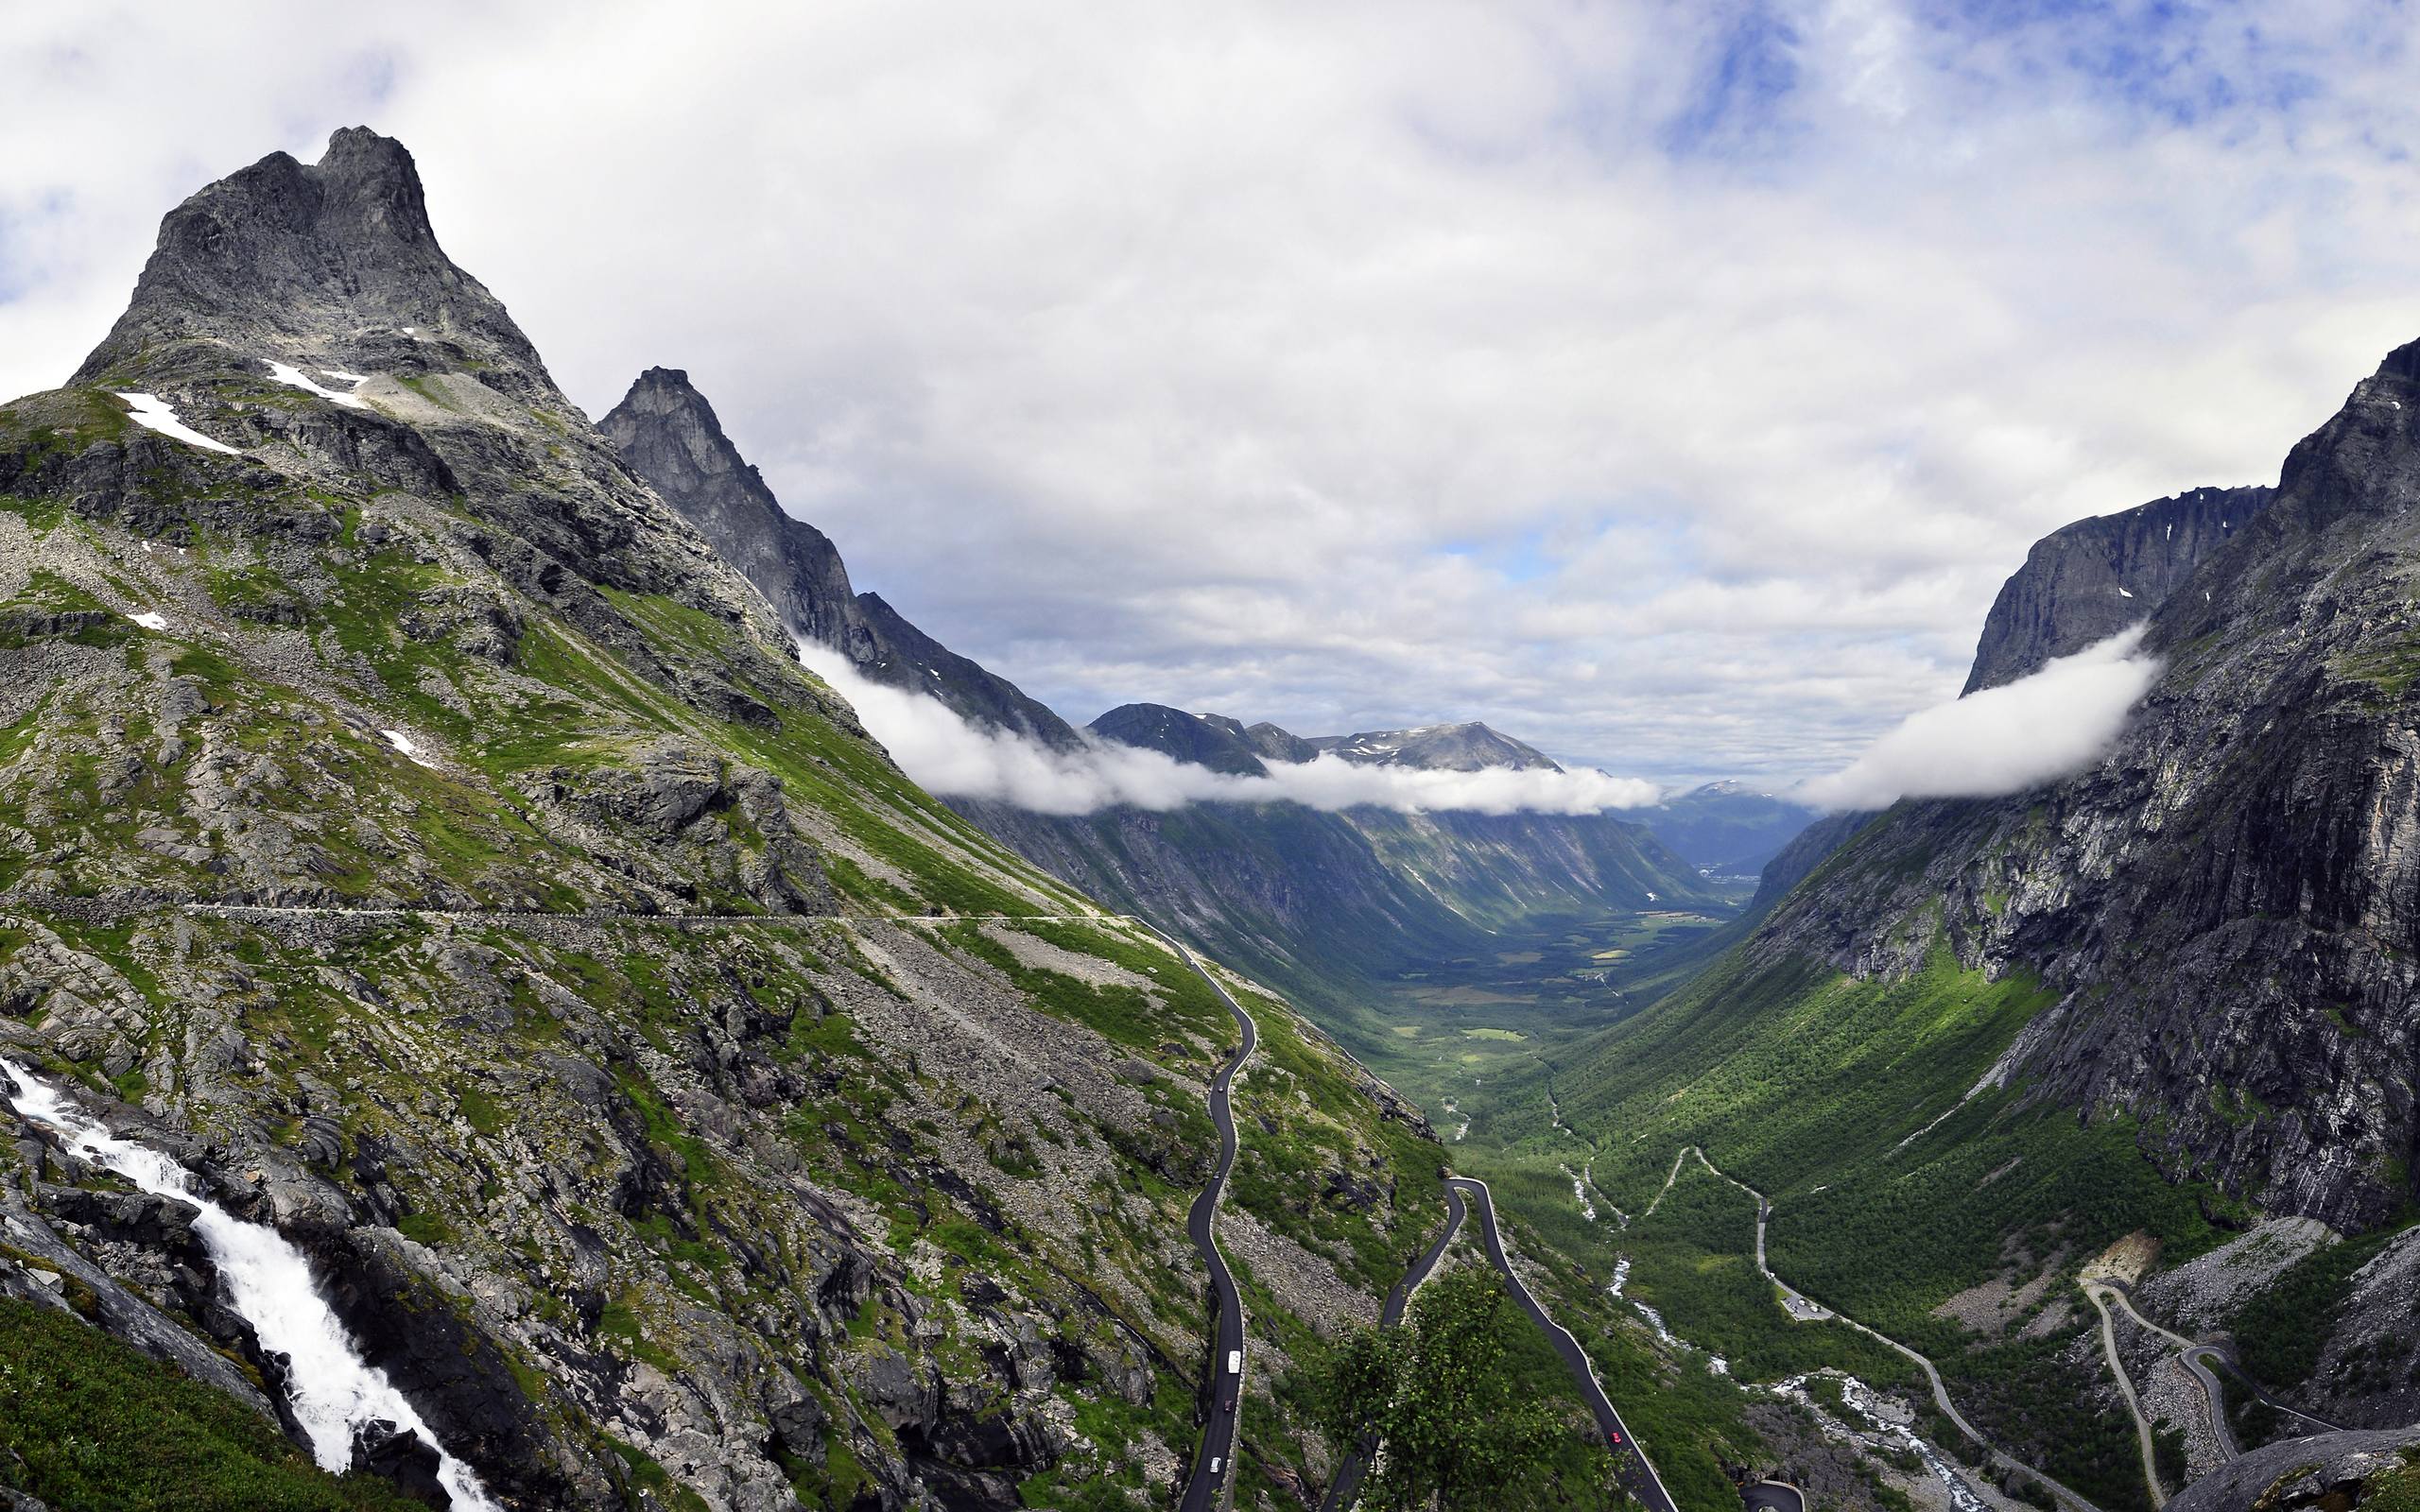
[(668, 434), (330, 262), (1471, 746), (2089, 581)]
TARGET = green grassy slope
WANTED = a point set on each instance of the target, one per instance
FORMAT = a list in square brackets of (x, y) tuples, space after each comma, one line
[(89, 1425), (1896, 1184)]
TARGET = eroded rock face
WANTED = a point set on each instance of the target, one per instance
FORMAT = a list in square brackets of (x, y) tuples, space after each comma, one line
[(303, 251), (2339, 1473), (669, 434), (2091, 580)]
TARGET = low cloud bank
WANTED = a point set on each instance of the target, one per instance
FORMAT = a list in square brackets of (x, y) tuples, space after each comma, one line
[(948, 756), (2036, 729)]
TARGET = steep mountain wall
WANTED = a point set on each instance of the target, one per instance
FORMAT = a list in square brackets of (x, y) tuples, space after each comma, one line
[(2086, 581), (409, 821)]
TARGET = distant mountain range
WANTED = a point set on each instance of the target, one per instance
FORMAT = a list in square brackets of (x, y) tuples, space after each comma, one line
[(1298, 893)]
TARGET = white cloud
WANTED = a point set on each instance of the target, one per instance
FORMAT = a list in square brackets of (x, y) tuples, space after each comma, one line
[(946, 755), (2036, 729), (1227, 355)]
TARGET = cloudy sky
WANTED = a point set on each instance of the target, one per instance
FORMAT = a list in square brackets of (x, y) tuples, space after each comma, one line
[(1669, 384)]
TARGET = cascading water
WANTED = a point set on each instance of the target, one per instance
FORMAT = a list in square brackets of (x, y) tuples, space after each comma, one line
[(331, 1388)]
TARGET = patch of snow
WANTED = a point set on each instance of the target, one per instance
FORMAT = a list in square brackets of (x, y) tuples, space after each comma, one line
[(150, 620), (292, 377), (2122, 594), (152, 413), (409, 332), (405, 744)]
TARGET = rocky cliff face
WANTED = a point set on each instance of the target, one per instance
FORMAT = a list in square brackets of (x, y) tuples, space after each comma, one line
[(2223, 901), (667, 433), (669, 436), (2088, 580), (2221, 905), (339, 254), (2164, 1000), (413, 825)]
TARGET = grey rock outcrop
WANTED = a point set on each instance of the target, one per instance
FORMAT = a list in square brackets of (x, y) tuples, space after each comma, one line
[(669, 434), (2326, 1472), (299, 254), (2088, 581)]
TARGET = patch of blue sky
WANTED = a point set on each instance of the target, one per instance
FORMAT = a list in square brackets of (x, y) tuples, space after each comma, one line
[(2169, 63), (1523, 558), (1740, 86)]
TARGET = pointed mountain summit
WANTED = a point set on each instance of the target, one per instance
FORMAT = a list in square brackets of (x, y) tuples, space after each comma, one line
[(669, 434), (399, 790), (333, 262)]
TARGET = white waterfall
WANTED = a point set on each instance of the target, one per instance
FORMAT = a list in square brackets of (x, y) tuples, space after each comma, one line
[(331, 1388)]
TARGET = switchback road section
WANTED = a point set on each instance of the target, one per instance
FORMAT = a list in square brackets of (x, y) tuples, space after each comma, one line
[(1638, 1472)]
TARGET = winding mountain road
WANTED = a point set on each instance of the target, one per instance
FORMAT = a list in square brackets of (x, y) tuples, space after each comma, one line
[(1347, 1484), (2193, 1353), (1816, 1311), (1638, 1472), (1213, 1461), (2099, 1295)]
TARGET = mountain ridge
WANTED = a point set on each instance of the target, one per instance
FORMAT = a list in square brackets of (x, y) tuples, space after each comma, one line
[(670, 436), (417, 829), (2088, 580)]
